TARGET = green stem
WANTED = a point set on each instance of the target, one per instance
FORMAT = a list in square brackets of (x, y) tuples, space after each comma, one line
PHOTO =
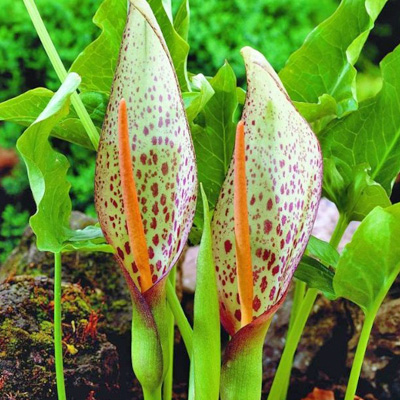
[(359, 356), (180, 318), (293, 339), (168, 380), (299, 292), (156, 395), (282, 375), (339, 231), (61, 71), (58, 329), (298, 296), (241, 372)]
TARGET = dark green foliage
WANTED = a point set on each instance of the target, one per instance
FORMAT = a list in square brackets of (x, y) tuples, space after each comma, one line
[(23, 62), (12, 227), (219, 29), (24, 65)]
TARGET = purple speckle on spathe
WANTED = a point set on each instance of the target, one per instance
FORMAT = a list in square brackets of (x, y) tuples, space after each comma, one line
[(145, 78), (284, 174)]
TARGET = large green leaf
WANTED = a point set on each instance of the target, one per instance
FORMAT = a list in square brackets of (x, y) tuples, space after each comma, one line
[(214, 136), (372, 134), (182, 20), (177, 46), (89, 239), (320, 76), (364, 147), (284, 178), (95, 104), (323, 251), (206, 327), (96, 64), (371, 261), (162, 151), (24, 109), (47, 170), (316, 275), (315, 267), (356, 195), (196, 100)]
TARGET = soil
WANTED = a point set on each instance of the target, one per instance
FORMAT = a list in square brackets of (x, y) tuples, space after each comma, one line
[(96, 334)]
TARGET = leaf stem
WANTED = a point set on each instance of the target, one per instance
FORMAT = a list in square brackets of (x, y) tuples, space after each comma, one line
[(362, 345), (339, 231), (58, 350), (293, 339), (168, 380), (298, 296), (180, 318), (359, 356), (294, 335), (61, 72)]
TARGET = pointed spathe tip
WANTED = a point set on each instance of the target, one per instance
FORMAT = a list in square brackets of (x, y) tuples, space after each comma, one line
[(252, 56)]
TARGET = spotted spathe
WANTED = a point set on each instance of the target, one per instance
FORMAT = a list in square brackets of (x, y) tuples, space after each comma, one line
[(284, 177), (162, 152)]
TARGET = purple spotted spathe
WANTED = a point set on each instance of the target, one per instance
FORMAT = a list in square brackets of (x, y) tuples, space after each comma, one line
[(162, 152), (284, 178)]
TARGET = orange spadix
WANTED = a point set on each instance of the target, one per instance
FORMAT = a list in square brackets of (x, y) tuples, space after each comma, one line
[(242, 230), (137, 238)]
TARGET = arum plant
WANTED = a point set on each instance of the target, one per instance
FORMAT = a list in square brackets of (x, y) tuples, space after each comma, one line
[(146, 185), (262, 221)]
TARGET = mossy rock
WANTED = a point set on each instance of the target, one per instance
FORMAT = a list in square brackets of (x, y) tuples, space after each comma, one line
[(93, 290), (97, 273), (26, 343)]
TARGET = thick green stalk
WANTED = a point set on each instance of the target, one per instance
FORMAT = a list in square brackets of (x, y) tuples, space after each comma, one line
[(241, 373), (180, 318), (168, 380), (156, 395), (282, 375), (61, 71), (359, 356), (58, 350)]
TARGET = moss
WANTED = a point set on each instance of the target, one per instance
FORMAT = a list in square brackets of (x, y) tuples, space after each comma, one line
[(27, 349), (74, 305), (12, 339), (97, 275), (41, 304), (119, 304), (47, 327), (42, 340)]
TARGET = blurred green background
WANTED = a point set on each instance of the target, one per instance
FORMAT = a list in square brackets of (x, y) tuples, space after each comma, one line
[(219, 28)]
